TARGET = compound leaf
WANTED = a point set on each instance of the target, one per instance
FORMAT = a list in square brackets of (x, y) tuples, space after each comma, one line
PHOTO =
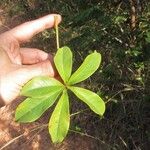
[(60, 119), (63, 62), (90, 98), (41, 86), (32, 108), (88, 67)]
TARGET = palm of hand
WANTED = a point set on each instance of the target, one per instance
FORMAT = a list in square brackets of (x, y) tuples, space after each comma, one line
[(19, 65)]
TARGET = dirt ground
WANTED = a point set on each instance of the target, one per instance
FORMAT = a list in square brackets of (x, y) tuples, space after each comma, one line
[(33, 136)]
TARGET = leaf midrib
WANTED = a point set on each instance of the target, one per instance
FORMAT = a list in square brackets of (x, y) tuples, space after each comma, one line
[(83, 69), (44, 99), (58, 127), (39, 88), (91, 104)]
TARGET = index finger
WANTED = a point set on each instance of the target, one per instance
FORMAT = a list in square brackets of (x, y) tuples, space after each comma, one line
[(26, 31)]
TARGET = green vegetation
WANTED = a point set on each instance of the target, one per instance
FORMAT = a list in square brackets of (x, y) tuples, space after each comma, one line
[(120, 31)]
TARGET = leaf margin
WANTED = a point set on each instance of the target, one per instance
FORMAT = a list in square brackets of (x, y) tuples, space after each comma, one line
[(65, 74), (75, 89), (51, 124), (26, 104), (78, 73), (36, 82)]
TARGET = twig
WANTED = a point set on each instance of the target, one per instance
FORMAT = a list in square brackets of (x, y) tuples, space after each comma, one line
[(90, 136), (11, 141), (78, 112), (14, 139)]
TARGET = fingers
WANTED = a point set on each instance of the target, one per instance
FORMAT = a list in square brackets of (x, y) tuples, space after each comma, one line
[(28, 72), (33, 56), (43, 68), (27, 30), (11, 46), (18, 75)]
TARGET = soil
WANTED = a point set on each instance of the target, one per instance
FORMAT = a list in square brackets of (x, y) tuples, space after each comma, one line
[(15, 136)]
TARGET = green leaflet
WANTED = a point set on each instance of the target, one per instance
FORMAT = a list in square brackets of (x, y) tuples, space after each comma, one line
[(63, 62), (88, 67), (41, 86), (90, 98), (32, 108), (60, 119)]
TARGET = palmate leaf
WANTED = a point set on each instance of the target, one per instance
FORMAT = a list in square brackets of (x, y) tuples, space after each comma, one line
[(32, 108), (95, 103), (43, 91), (41, 86), (88, 67), (63, 62), (60, 119)]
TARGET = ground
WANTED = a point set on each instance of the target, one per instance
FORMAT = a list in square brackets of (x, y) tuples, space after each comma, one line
[(34, 136)]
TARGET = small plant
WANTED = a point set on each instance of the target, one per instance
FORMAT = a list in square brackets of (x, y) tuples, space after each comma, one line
[(43, 91)]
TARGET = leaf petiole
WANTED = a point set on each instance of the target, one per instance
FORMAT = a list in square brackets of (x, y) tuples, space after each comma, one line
[(56, 30)]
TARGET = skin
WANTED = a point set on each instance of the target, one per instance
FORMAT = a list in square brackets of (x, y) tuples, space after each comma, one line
[(18, 65)]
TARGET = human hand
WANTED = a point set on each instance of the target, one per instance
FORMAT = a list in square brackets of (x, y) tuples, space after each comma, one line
[(19, 65)]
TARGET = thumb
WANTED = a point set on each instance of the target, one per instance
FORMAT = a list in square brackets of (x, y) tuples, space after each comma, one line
[(43, 68), (12, 82)]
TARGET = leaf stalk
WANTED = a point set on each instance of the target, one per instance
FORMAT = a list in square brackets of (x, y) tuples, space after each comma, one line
[(56, 30)]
